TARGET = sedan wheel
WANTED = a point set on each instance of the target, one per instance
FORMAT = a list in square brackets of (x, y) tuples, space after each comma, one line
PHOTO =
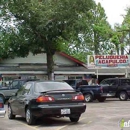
[(101, 99), (88, 97), (10, 114), (29, 117)]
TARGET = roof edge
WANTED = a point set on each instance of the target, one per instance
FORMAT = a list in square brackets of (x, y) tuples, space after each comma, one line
[(72, 58)]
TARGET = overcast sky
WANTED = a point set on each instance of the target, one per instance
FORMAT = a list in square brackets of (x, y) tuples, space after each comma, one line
[(114, 9)]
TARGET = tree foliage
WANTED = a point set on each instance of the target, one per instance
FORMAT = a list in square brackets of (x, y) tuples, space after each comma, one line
[(121, 35), (96, 37), (100, 31), (77, 27), (118, 39), (42, 25), (126, 31)]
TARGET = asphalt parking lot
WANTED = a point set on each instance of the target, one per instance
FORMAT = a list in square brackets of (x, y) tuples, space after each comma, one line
[(98, 116)]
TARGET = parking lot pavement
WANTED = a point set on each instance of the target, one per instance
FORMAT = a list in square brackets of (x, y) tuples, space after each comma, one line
[(98, 116)]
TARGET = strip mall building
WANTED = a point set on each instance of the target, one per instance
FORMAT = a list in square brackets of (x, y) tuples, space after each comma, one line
[(35, 66), (66, 67)]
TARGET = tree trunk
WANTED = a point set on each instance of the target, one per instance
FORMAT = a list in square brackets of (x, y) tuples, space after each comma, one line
[(50, 66), (117, 49), (96, 48), (122, 41), (96, 44), (122, 50)]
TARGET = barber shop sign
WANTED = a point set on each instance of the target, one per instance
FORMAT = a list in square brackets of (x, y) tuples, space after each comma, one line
[(108, 60)]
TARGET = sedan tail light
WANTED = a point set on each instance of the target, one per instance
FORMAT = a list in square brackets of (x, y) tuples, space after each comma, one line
[(45, 99), (1, 105), (78, 98)]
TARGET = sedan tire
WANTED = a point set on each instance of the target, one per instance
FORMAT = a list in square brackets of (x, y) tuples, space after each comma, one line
[(10, 114), (101, 99), (30, 119), (74, 119)]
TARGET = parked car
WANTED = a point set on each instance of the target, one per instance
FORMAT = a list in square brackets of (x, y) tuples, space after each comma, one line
[(116, 87), (90, 92), (46, 99), (2, 110), (75, 83), (110, 87), (6, 92)]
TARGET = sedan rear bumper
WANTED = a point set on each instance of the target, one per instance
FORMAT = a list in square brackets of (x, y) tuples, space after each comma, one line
[(53, 111)]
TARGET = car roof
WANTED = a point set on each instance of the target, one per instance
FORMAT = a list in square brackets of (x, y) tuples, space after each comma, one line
[(116, 78), (25, 79), (46, 81), (73, 79)]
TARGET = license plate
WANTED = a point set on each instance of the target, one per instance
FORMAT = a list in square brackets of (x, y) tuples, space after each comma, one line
[(109, 94), (65, 111)]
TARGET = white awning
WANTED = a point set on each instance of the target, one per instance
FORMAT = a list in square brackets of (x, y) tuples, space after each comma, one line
[(111, 74), (72, 72), (44, 72), (23, 72)]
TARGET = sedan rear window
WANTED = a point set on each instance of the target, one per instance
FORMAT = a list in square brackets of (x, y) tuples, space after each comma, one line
[(50, 86)]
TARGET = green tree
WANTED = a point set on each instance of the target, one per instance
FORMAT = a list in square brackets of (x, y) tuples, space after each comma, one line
[(100, 31), (118, 37), (121, 35), (125, 29), (43, 25), (95, 39)]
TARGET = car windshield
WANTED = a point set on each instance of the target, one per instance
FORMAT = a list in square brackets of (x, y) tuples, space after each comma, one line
[(70, 82), (51, 86), (104, 82)]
